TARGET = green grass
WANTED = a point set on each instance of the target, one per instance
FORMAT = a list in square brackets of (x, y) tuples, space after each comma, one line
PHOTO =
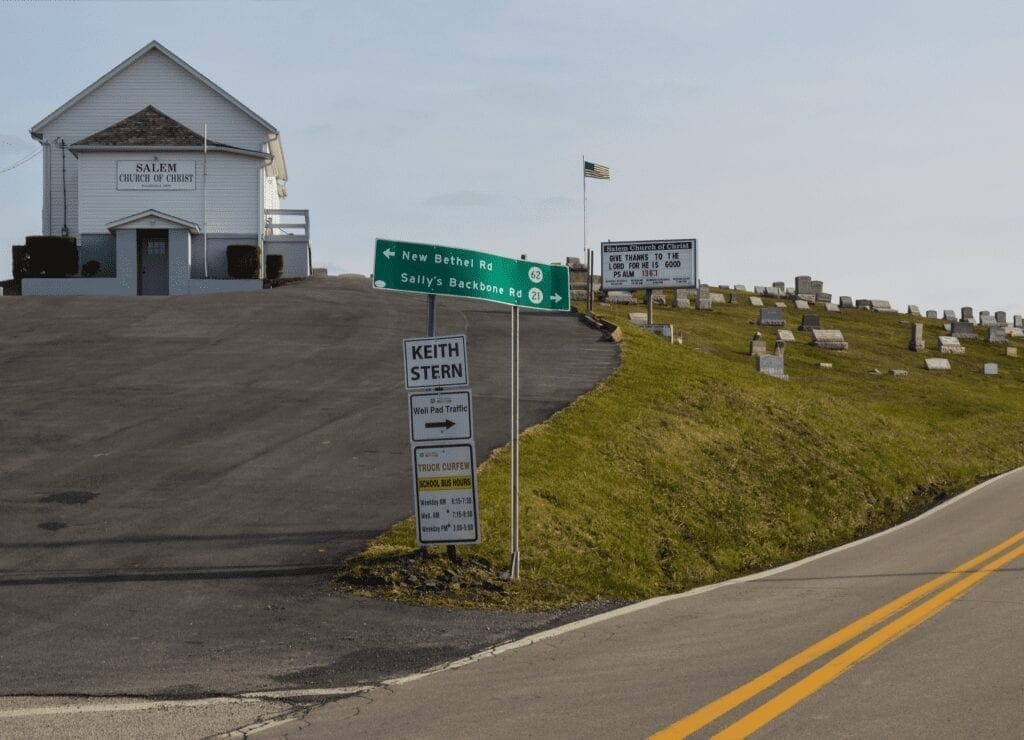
[(687, 467)]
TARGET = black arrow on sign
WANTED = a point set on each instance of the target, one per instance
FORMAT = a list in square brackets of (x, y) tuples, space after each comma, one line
[(447, 424)]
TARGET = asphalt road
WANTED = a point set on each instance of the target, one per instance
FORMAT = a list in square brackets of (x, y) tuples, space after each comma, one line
[(181, 477), (913, 633)]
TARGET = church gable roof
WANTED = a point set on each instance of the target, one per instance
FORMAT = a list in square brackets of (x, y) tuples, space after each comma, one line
[(152, 46), (148, 127)]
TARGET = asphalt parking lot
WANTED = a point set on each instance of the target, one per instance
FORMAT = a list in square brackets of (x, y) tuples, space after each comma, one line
[(181, 477)]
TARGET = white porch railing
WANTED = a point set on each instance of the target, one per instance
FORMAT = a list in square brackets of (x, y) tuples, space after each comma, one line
[(295, 229)]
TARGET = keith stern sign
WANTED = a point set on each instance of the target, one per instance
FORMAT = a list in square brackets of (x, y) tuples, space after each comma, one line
[(435, 362), (428, 268)]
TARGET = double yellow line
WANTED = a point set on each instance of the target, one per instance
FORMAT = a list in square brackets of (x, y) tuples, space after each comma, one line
[(759, 717)]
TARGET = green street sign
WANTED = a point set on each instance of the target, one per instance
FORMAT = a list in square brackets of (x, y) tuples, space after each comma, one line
[(428, 268)]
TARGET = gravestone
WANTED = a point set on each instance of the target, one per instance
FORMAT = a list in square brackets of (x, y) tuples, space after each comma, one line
[(773, 365), (620, 296), (882, 306), (817, 286), (936, 363), (658, 297), (997, 335), (785, 335), (1018, 321), (810, 321), (801, 304), (780, 348), (1011, 351), (899, 373), (758, 346), (831, 307), (990, 368), (723, 287), (828, 339), (780, 304), (949, 315), (740, 288), (823, 297), (951, 346), (1001, 318), (916, 338), (779, 285), (733, 298), (967, 314), (947, 327), (665, 331), (864, 303), (640, 319), (825, 365), (802, 284), (932, 314), (704, 299), (682, 301), (755, 301), (845, 301), (718, 299), (963, 330), (913, 310), (986, 319), (771, 317)]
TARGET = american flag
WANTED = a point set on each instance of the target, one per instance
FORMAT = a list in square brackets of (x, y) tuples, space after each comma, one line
[(595, 170)]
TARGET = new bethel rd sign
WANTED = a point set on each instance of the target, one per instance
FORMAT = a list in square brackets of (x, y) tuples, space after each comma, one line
[(427, 268)]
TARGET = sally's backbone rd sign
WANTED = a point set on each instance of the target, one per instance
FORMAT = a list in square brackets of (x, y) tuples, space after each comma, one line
[(429, 268)]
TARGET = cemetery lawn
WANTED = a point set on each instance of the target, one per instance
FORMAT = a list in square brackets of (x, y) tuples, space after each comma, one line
[(687, 467)]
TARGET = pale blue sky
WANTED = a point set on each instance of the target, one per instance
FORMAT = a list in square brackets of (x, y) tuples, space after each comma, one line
[(874, 145)]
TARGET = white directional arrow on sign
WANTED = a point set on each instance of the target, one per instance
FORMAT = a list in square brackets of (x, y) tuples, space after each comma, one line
[(389, 253), (556, 298)]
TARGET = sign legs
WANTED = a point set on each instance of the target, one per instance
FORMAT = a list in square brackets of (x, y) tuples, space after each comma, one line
[(514, 569)]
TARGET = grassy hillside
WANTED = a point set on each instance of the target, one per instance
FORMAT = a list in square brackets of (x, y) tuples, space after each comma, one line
[(687, 466)]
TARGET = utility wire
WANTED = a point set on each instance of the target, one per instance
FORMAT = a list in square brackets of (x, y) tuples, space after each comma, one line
[(21, 161)]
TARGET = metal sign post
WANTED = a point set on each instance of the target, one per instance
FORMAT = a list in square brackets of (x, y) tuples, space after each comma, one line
[(514, 435), (590, 280)]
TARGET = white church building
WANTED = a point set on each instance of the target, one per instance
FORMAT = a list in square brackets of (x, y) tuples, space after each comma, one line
[(156, 170)]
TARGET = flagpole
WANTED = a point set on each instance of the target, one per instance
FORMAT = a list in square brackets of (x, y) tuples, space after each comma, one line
[(206, 235), (583, 171)]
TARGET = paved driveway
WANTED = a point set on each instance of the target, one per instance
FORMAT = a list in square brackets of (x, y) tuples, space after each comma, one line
[(181, 476)]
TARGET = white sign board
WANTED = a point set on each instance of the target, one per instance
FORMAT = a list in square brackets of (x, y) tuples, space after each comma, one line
[(669, 263), (151, 174), (442, 415), (436, 362), (445, 491)]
